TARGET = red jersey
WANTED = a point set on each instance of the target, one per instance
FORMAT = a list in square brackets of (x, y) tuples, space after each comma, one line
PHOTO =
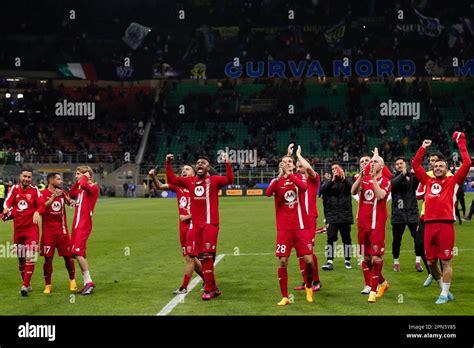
[(54, 220), (25, 202), (440, 194), (184, 201), (372, 212), (310, 196), (204, 193), (86, 195), (290, 211)]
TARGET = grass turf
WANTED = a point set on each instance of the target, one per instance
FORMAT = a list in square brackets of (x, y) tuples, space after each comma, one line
[(135, 261)]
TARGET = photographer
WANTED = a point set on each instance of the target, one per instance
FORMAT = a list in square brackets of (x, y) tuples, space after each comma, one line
[(336, 192)]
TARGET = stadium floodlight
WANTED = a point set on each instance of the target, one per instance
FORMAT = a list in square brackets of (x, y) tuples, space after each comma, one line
[(8, 95), (19, 95)]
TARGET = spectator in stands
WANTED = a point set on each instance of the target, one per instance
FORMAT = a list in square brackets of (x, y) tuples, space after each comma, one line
[(132, 187), (125, 189)]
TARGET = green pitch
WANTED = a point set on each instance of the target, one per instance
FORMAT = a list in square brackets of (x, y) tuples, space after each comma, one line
[(136, 263)]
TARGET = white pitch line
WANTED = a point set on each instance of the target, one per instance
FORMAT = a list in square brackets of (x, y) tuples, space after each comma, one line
[(179, 298)]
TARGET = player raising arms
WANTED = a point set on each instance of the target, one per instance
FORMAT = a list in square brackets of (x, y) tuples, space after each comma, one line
[(309, 197), (374, 189), (440, 197), (202, 236), (184, 205), (86, 193), (54, 230), (290, 223), (22, 204)]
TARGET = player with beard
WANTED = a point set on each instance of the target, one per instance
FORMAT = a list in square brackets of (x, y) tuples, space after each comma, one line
[(204, 193), (23, 203), (185, 221), (373, 189), (305, 171), (54, 230), (420, 232), (291, 220), (440, 213)]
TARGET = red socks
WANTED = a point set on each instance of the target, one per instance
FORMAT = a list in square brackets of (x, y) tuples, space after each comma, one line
[(71, 269), (186, 280), (376, 272), (283, 279), (21, 268), (309, 275), (47, 270), (29, 269), (316, 269), (367, 273), (381, 278), (208, 273), (302, 268)]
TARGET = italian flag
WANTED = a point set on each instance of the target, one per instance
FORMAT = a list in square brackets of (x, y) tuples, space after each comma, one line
[(79, 70)]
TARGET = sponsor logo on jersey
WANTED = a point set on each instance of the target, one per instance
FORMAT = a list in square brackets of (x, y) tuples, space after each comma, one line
[(22, 205), (290, 196), (199, 191), (369, 195), (56, 206), (435, 188)]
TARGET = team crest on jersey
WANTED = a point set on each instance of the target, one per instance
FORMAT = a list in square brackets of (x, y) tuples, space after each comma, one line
[(290, 196), (22, 205), (189, 248), (56, 206), (435, 188), (199, 191), (369, 195), (309, 246), (208, 245), (183, 202), (28, 196), (376, 247), (447, 252)]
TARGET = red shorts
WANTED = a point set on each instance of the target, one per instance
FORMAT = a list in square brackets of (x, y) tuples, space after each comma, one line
[(371, 242), (299, 239), (78, 242), (50, 242), (439, 240), (28, 240), (201, 238), (183, 232)]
